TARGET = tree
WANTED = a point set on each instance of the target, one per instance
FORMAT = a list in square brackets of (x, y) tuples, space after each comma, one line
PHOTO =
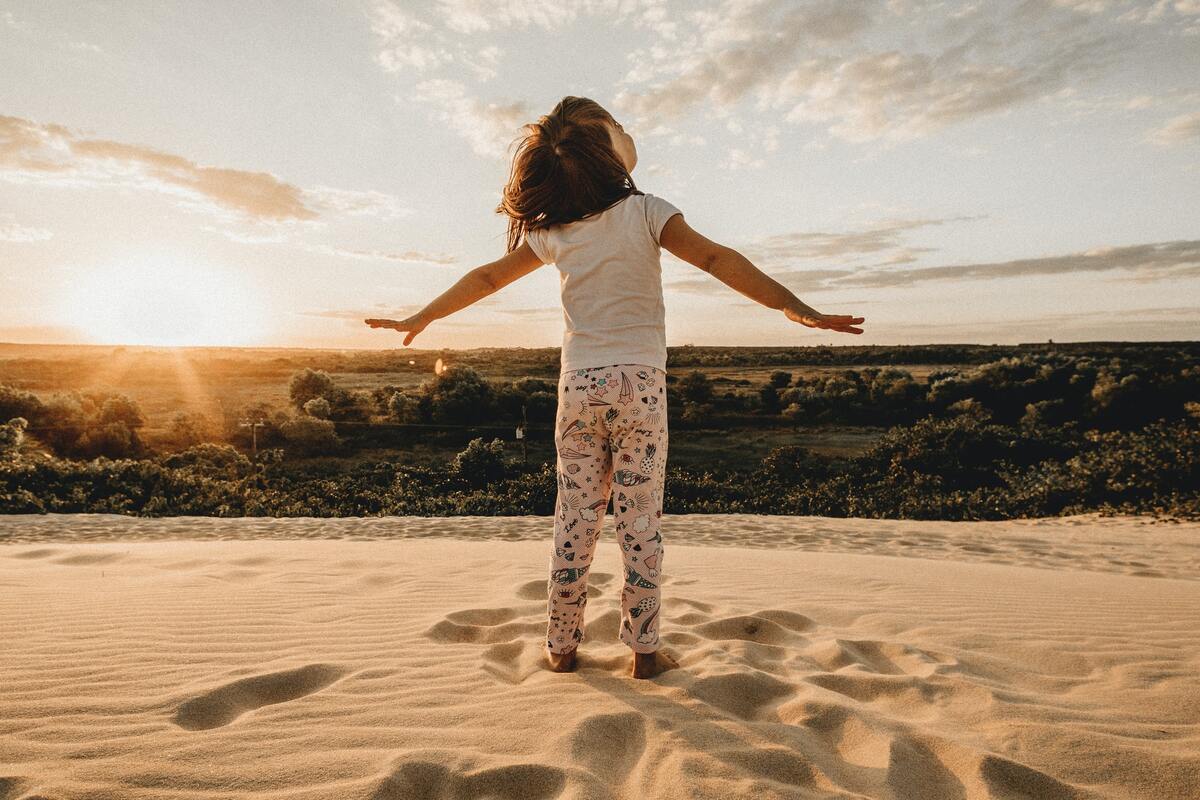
[(769, 398), (17, 403), (459, 395), (403, 408), (695, 387), (187, 429), (317, 407), (12, 434), (310, 384), (480, 464), (310, 436), (211, 461)]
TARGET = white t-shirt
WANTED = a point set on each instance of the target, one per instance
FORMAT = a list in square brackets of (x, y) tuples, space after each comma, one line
[(610, 277)]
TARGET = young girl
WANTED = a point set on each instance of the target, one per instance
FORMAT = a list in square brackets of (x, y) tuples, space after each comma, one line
[(571, 201)]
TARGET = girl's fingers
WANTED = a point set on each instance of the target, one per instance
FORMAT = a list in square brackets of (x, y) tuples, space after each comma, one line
[(398, 325)]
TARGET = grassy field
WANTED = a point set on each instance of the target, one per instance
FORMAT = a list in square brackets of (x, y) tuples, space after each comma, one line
[(217, 382)]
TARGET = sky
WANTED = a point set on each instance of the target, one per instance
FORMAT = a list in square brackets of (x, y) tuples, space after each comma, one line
[(269, 174)]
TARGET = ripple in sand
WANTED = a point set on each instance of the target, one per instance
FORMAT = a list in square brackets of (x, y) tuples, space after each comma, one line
[(225, 704), (429, 779), (44, 552), (746, 695), (609, 745), (482, 626)]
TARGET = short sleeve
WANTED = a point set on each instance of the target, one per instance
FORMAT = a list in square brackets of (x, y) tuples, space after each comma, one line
[(658, 211), (539, 243)]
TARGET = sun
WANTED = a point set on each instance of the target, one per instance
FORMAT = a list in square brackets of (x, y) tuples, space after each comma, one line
[(165, 299)]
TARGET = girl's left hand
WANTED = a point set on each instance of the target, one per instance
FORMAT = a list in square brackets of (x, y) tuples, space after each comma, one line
[(414, 325), (841, 323)]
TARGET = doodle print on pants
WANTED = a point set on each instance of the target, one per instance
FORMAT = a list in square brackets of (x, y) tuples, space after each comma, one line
[(611, 437)]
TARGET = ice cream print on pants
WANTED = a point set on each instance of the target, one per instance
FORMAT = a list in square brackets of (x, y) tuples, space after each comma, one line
[(611, 439)]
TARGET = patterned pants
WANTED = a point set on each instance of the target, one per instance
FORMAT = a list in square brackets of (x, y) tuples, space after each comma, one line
[(611, 435)]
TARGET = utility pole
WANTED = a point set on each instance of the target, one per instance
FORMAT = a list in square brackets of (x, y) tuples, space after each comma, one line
[(521, 435), (253, 426)]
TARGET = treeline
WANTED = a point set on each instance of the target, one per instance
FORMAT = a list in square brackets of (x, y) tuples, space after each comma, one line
[(1033, 389), (1042, 433), (961, 468), (923, 354), (1094, 391)]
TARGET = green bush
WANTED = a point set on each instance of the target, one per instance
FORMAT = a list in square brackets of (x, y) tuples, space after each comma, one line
[(480, 464)]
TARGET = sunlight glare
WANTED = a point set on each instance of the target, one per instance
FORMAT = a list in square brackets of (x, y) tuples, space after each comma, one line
[(166, 300)]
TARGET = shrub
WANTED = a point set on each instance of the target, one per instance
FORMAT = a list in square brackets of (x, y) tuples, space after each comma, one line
[(308, 385), (480, 464), (211, 461), (317, 407), (780, 379), (695, 387), (459, 395), (12, 434), (310, 436)]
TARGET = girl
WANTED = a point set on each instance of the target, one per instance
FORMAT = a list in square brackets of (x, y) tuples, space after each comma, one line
[(571, 201)]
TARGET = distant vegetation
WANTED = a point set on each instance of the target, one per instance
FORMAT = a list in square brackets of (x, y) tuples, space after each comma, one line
[(1029, 431)]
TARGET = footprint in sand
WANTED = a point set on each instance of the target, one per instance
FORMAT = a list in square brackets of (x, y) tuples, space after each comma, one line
[(747, 695), (884, 658), (511, 662), (429, 779), (87, 559), (10, 787), (482, 626), (225, 704), (44, 552), (748, 627), (608, 745)]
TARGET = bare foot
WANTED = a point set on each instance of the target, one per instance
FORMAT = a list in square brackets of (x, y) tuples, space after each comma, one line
[(647, 665), (561, 662)]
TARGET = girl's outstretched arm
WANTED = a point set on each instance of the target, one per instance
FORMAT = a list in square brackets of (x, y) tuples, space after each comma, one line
[(471, 288), (735, 270)]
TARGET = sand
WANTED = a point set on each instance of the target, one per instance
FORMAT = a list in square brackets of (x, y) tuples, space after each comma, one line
[(402, 658)]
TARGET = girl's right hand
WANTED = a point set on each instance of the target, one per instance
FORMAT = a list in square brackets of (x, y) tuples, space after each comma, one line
[(414, 325), (841, 323)]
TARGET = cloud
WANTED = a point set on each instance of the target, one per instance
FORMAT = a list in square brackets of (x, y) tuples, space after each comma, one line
[(32, 152), (1147, 261), (1183, 128), (1123, 324), (737, 158), (29, 150), (845, 247), (392, 311), (11, 231), (357, 203), (281, 235), (407, 256), (379, 310), (474, 16), (427, 39), (1140, 263), (488, 127), (822, 63), (742, 46), (402, 40), (799, 280)]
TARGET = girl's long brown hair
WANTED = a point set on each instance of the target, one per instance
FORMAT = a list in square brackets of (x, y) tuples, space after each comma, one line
[(564, 169)]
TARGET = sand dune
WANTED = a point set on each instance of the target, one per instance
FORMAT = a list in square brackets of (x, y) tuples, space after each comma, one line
[(401, 658)]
